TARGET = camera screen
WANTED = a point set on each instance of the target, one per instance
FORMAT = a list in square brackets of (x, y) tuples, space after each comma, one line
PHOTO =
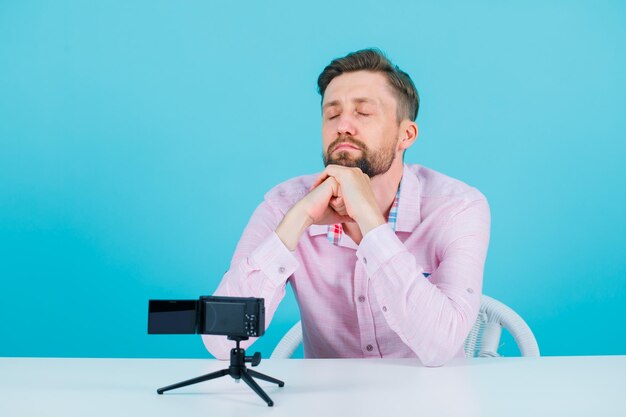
[(224, 318), (172, 317)]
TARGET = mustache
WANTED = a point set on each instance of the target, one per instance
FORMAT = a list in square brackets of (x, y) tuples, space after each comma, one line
[(346, 139)]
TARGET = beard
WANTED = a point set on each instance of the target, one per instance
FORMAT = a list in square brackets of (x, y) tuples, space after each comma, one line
[(372, 163)]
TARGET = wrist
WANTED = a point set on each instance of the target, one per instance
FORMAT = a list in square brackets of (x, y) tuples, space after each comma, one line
[(370, 221), (292, 226)]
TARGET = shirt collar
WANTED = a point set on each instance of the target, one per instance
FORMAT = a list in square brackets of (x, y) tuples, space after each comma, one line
[(408, 216), (409, 212)]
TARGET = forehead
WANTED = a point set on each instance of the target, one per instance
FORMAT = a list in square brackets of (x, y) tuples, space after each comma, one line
[(359, 84)]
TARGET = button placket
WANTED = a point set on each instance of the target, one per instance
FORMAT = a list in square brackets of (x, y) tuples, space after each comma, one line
[(365, 319)]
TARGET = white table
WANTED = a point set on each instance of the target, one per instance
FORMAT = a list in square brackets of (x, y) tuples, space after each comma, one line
[(568, 386)]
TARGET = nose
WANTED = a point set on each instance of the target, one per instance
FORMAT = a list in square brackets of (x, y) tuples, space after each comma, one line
[(346, 125)]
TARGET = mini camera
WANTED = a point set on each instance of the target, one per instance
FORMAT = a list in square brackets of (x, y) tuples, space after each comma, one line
[(227, 316)]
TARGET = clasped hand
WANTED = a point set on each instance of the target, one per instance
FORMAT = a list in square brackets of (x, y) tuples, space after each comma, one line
[(343, 195), (338, 195)]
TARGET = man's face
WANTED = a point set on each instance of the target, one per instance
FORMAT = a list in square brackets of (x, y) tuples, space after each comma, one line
[(359, 122)]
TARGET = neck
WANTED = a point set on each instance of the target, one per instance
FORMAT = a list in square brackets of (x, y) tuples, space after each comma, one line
[(385, 186)]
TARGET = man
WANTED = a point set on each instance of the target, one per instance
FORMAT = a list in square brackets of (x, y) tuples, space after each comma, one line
[(385, 259)]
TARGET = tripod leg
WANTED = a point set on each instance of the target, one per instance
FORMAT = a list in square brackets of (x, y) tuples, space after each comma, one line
[(264, 377), (202, 378), (256, 388)]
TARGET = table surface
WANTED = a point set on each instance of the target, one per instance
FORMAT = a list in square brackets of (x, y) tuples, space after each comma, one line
[(572, 386)]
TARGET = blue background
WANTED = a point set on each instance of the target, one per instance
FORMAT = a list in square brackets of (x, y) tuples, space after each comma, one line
[(136, 139)]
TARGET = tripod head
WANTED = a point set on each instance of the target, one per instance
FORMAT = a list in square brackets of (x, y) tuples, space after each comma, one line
[(238, 355)]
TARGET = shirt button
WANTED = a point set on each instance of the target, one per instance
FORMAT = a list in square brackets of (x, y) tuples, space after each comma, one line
[(365, 260), (369, 348), (384, 309), (471, 291), (361, 298), (281, 270)]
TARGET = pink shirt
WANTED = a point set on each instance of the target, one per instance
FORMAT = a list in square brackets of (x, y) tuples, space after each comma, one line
[(372, 300)]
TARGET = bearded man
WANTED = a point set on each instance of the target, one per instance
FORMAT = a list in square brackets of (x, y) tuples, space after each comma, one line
[(385, 258)]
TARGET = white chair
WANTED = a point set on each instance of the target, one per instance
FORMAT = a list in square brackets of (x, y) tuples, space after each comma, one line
[(482, 341)]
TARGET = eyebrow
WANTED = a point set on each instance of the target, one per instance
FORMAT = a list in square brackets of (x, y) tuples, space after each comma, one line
[(357, 100)]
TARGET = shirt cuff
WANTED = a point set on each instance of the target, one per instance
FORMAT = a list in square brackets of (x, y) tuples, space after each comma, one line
[(377, 247), (275, 260)]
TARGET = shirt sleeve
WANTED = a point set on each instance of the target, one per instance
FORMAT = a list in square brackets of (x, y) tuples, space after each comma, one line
[(260, 268), (431, 316)]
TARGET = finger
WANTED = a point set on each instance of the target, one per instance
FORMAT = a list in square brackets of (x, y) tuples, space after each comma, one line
[(329, 188), (320, 179), (338, 218), (334, 185), (339, 172), (343, 218), (341, 212), (340, 209), (337, 203), (330, 171)]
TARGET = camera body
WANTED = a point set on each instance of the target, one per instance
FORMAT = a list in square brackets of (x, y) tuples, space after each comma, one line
[(241, 317)]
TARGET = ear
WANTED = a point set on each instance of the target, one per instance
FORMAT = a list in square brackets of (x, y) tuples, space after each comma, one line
[(408, 134)]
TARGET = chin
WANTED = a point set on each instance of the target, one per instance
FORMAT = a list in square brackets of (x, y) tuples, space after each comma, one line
[(344, 159)]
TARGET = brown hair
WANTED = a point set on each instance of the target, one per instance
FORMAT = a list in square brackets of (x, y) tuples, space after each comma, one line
[(374, 60)]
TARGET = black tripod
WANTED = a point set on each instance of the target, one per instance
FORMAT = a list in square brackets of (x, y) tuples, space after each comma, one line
[(237, 370)]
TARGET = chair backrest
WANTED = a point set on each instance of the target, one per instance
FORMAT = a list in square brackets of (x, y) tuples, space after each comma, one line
[(483, 340)]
